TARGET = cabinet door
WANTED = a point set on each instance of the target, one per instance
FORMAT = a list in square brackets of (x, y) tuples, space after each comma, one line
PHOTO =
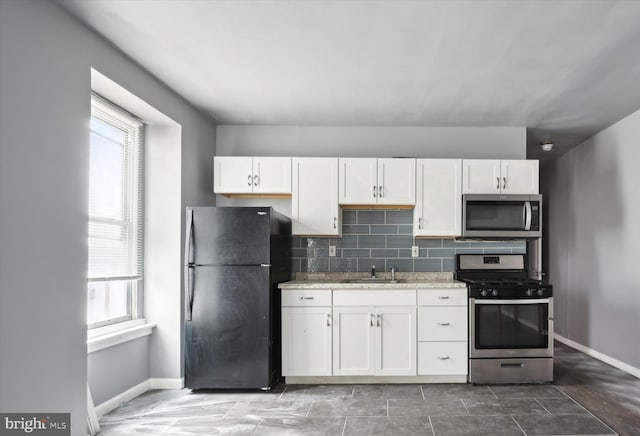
[(481, 176), (314, 201), (438, 198), (272, 175), (353, 341), (519, 176), (232, 175), (396, 181), (358, 181), (396, 341), (306, 341)]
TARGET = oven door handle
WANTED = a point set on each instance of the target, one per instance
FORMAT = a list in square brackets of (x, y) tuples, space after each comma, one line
[(523, 301)]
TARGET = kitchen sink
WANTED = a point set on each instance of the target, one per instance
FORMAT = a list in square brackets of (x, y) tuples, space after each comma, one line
[(369, 280)]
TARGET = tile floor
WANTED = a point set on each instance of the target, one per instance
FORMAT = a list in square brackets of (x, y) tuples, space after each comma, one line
[(432, 410)]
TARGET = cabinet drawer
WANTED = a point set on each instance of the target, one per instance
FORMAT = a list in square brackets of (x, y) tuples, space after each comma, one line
[(442, 323), (442, 358), (368, 297), (306, 297), (443, 297)]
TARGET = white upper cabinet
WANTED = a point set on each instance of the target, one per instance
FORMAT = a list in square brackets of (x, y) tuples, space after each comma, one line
[(246, 175), (438, 197), (484, 176), (377, 181), (314, 203), (520, 176), (232, 175)]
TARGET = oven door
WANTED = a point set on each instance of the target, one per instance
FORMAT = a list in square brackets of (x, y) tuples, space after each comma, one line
[(510, 328)]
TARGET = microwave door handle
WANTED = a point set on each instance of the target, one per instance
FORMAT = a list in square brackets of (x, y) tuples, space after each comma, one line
[(527, 215)]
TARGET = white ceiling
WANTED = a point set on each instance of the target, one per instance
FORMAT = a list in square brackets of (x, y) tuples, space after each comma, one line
[(564, 69)]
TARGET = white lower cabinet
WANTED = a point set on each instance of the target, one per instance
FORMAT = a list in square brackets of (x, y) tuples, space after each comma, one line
[(353, 333), (442, 358), (443, 332), (306, 332), (369, 340)]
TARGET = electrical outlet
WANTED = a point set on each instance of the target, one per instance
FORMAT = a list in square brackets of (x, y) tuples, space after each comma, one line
[(332, 251), (415, 251)]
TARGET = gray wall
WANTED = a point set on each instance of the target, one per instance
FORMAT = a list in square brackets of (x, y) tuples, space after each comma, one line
[(593, 238), (373, 141), (44, 111), (131, 370), (384, 238)]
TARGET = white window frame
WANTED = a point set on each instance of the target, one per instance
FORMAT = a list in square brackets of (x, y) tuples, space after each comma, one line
[(135, 284)]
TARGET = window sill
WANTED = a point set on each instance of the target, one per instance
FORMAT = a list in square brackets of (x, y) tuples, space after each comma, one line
[(109, 336)]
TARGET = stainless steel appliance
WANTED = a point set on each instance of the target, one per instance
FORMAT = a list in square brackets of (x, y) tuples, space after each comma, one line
[(510, 320), (501, 216), (234, 259)]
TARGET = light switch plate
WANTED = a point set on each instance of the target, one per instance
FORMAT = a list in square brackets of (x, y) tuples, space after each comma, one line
[(415, 251), (332, 250)]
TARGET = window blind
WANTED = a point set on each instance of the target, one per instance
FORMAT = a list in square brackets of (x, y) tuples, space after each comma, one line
[(115, 193)]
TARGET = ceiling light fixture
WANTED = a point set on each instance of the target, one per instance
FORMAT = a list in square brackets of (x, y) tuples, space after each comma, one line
[(547, 146)]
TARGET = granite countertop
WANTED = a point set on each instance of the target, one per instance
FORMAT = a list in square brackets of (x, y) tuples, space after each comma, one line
[(335, 281)]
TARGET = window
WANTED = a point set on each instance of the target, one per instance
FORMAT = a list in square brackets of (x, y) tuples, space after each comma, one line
[(115, 215)]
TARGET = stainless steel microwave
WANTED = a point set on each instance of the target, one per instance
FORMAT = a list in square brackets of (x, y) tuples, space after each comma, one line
[(501, 216)]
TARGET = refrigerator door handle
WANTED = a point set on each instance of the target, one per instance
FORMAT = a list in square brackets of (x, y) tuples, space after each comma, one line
[(188, 291), (187, 239)]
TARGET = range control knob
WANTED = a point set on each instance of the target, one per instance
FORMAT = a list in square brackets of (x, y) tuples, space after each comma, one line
[(541, 292), (494, 292), (484, 293), (530, 292)]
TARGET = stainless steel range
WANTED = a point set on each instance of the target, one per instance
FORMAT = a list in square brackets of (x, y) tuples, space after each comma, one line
[(510, 320)]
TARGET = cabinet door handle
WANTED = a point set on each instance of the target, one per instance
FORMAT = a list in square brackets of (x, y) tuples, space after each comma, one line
[(443, 297), (419, 223), (443, 357), (374, 191), (498, 183), (371, 319), (328, 320), (380, 191), (335, 225), (306, 298), (378, 320), (249, 180), (256, 180), (504, 183), (443, 324)]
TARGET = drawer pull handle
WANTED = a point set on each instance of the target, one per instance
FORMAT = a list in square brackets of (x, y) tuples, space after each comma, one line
[(443, 297), (443, 324), (371, 319), (306, 298), (378, 320), (512, 365), (443, 357), (328, 320)]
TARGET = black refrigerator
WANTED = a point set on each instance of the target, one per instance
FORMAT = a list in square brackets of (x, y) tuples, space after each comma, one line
[(234, 259)]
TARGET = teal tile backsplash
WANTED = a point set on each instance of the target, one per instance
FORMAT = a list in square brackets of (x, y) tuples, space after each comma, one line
[(383, 238)]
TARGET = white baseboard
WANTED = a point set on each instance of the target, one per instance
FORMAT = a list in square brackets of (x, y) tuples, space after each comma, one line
[(128, 395), (137, 390), (600, 356), (167, 383)]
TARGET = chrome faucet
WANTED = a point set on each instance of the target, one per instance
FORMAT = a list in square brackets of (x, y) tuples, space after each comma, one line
[(393, 273), (373, 271)]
